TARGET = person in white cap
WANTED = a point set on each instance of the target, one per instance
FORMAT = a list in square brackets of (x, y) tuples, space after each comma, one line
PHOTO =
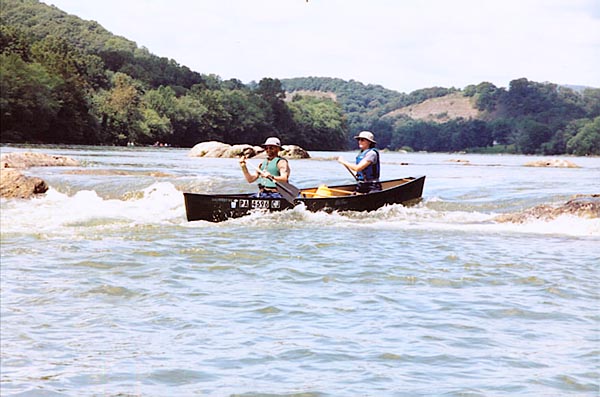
[(273, 168), (367, 168)]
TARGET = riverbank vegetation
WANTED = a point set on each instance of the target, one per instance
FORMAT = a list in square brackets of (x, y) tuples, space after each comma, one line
[(66, 80)]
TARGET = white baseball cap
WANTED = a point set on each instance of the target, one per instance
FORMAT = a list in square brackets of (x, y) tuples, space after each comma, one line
[(272, 141)]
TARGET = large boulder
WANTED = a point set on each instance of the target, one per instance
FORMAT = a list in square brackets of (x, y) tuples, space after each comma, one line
[(586, 206), (294, 152), (209, 149), (219, 149), (30, 159), (239, 151), (13, 184)]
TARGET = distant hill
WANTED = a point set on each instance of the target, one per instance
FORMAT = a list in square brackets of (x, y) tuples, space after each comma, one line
[(440, 109)]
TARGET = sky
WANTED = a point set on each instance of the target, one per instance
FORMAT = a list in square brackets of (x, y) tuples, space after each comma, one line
[(403, 45)]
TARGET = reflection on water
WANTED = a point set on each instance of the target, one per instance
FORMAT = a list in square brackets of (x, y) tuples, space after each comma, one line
[(107, 290)]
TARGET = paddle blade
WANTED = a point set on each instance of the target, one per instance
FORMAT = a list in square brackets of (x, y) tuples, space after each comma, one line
[(288, 191)]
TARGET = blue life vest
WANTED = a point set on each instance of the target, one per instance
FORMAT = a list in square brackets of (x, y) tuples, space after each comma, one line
[(270, 166), (371, 173)]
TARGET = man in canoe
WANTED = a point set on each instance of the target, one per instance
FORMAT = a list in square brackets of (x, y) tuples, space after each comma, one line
[(366, 170), (272, 169)]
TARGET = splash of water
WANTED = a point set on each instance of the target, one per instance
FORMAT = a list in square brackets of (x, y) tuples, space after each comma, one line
[(162, 203)]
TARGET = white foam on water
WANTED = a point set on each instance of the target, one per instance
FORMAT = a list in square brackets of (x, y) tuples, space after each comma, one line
[(159, 203), (162, 203), (422, 218)]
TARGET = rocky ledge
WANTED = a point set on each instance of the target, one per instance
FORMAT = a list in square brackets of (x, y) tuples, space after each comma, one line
[(584, 206), (13, 184), (220, 149), (557, 163)]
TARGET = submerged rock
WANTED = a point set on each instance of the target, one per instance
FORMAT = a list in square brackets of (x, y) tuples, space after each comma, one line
[(14, 184), (30, 159), (558, 163), (584, 206)]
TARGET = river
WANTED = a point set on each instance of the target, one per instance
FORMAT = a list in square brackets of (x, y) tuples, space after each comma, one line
[(107, 290)]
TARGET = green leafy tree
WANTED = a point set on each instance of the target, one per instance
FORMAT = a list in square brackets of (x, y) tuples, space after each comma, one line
[(587, 140), (273, 93), (154, 127), (249, 117), (502, 130), (321, 122), (120, 110), (74, 122), (188, 121), (14, 41), (530, 135), (27, 103)]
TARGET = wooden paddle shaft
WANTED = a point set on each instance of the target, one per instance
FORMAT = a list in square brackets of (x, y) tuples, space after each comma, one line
[(351, 172)]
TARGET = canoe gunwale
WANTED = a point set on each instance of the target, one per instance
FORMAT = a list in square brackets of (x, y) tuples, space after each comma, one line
[(220, 207)]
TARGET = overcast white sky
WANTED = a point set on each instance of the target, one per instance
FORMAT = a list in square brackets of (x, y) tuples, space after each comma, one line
[(402, 45)]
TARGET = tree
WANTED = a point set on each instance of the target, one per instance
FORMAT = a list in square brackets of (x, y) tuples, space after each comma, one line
[(187, 121), (273, 93), (321, 122), (531, 135), (27, 104), (587, 140), (14, 41), (73, 122), (249, 117), (120, 110)]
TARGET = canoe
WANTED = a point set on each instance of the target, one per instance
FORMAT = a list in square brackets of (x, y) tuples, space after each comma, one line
[(220, 207)]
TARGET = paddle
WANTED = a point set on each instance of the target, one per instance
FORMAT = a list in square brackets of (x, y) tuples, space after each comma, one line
[(288, 191), (350, 171)]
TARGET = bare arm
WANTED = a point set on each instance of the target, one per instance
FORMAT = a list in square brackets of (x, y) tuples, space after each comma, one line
[(284, 171), (249, 177), (355, 167)]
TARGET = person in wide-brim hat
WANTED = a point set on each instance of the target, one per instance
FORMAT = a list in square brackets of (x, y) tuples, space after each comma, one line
[(273, 169), (272, 141), (366, 170), (368, 135)]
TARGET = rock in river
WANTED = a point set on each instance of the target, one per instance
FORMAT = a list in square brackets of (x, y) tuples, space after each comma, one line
[(585, 206)]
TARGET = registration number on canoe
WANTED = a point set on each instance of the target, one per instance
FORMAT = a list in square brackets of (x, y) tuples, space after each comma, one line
[(255, 204), (260, 204)]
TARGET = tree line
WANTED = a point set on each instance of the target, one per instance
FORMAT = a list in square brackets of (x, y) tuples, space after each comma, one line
[(528, 117), (66, 80)]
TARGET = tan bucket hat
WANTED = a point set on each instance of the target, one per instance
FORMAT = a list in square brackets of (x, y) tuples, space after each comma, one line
[(368, 135)]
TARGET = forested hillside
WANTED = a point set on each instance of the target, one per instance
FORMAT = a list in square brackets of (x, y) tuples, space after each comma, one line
[(528, 117), (66, 80)]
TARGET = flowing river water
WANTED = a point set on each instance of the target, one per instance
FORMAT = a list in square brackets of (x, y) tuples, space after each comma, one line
[(107, 290)]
